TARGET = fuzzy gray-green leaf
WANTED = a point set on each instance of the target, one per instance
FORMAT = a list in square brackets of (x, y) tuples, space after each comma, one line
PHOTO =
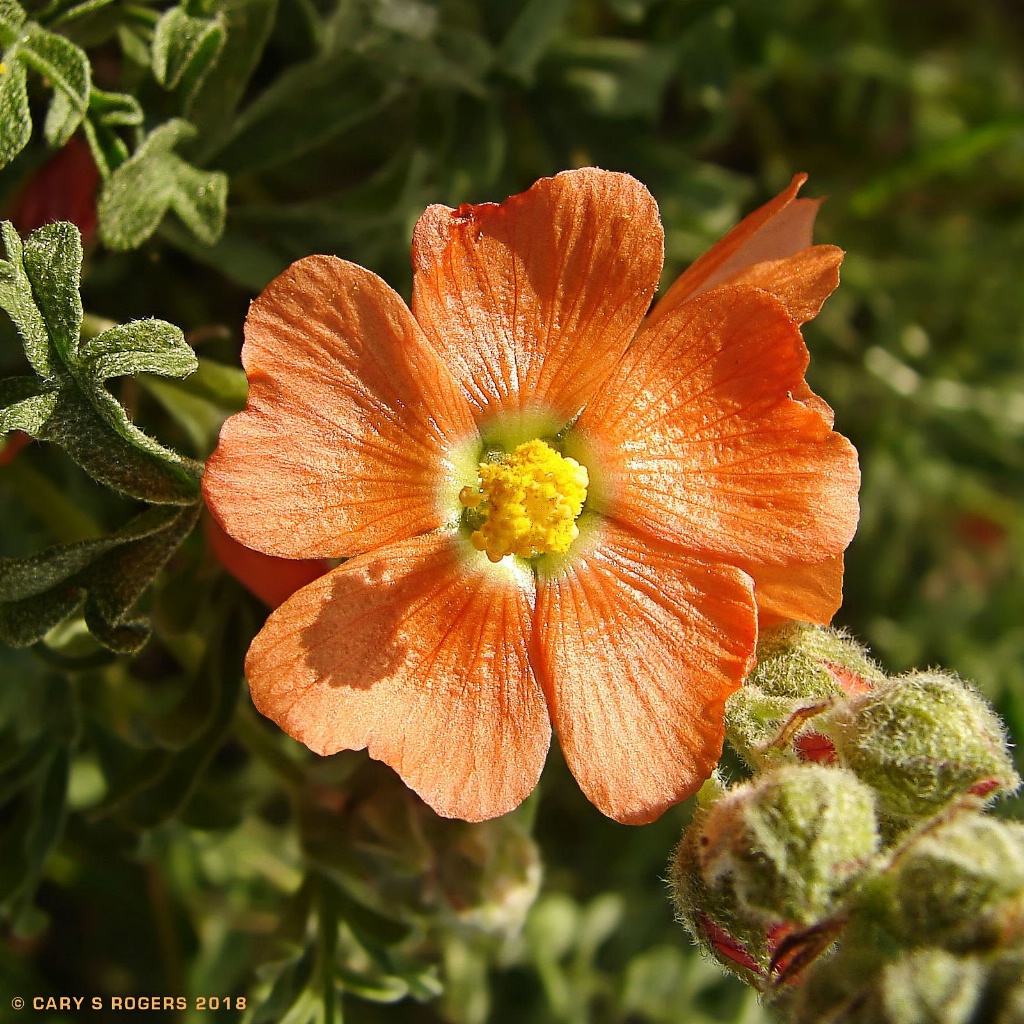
[(184, 51), (52, 258), (67, 70), (15, 120), (25, 404), (140, 192), (142, 346), (17, 299), (108, 574)]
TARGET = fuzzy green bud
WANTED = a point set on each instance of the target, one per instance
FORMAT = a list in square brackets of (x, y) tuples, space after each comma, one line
[(926, 986), (723, 928), (787, 846), (931, 986), (921, 740), (959, 885), (801, 669)]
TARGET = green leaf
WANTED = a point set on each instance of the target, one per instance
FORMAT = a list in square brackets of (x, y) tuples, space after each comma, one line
[(248, 24), (52, 258), (306, 107), (108, 575), (34, 820), (140, 192), (67, 70), (17, 299), (25, 404), (142, 346), (114, 108), (109, 111), (62, 65), (218, 685), (12, 17), (70, 404), (15, 120), (531, 34), (184, 51), (135, 465)]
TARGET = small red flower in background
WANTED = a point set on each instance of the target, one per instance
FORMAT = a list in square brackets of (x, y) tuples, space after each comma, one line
[(64, 188), (12, 444), (556, 511)]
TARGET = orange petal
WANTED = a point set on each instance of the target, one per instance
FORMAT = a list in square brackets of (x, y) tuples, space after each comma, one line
[(351, 418), (272, 580), (421, 658), (803, 393), (698, 438), (802, 282), (800, 591), (780, 228), (532, 301), (640, 647)]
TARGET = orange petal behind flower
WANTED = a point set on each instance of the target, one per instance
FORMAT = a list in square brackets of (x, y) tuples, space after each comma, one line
[(351, 417), (272, 580), (801, 282), (421, 659), (701, 440), (778, 234), (532, 301), (641, 645), (801, 591)]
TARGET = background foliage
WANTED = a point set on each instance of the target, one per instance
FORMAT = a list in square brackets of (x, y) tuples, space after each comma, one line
[(157, 837)]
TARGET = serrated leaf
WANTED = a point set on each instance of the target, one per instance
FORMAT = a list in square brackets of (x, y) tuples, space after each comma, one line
[(71, 406), (185, 48), (139, 193), (108, 575), (15, 120)]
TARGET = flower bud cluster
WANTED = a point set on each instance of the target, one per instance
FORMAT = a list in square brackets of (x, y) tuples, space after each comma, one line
[(854, 877)]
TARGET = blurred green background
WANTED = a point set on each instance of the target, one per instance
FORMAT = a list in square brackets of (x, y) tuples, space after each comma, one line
[(194, 851)]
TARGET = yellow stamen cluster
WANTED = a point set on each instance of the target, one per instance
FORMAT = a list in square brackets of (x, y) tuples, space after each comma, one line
[(531, 500)]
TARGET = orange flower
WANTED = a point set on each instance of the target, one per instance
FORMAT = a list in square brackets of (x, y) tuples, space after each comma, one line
[(555, 511)]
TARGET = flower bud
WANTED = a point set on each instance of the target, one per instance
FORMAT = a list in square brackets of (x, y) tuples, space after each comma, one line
[(931, 985), (770, 856), (921, 740), (801, 670), (926, 986), (801, 660), (792, 842), (960, 886)]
